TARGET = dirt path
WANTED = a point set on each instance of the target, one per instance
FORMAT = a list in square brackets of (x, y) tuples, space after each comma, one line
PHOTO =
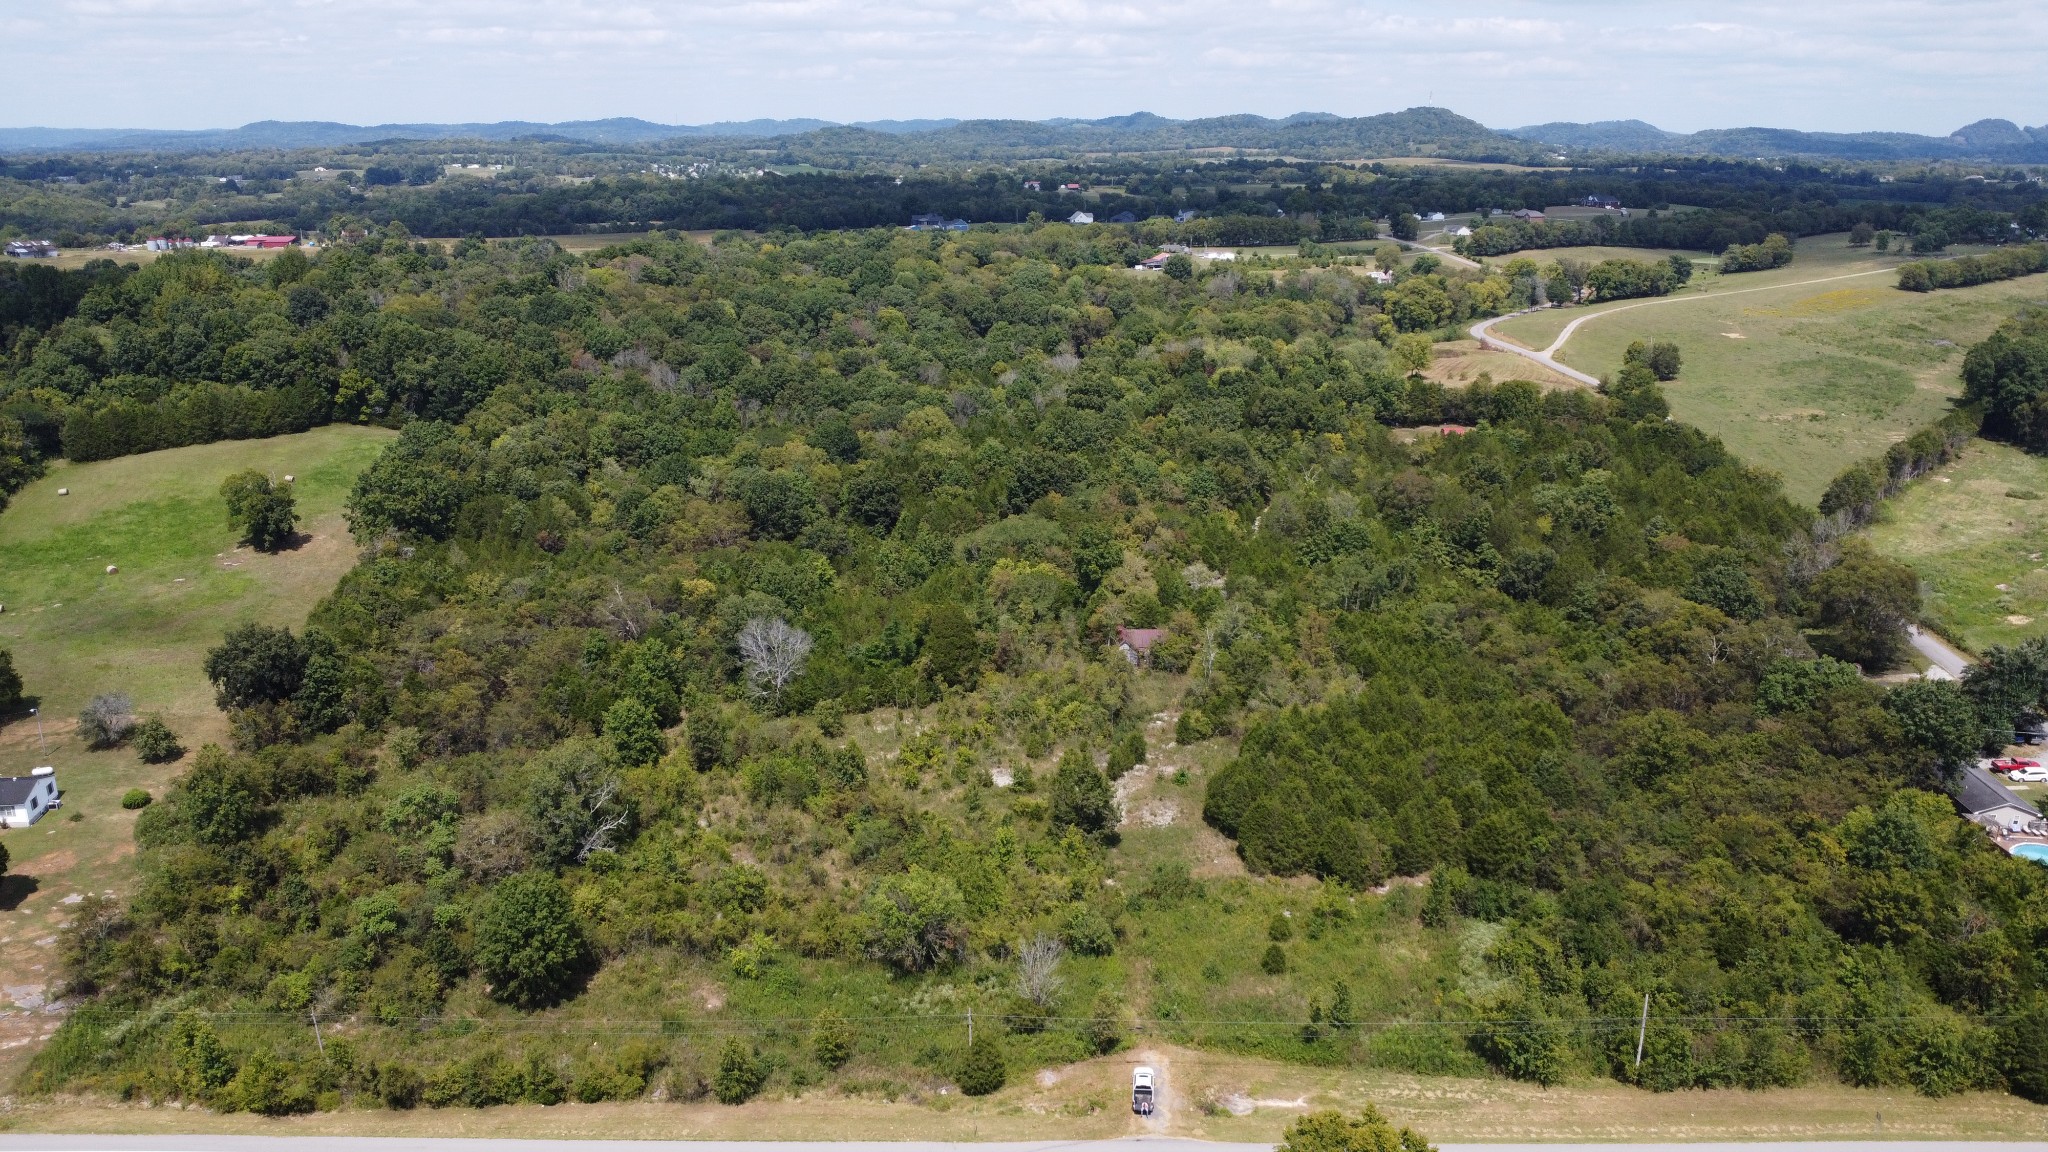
[(1163, 1095)]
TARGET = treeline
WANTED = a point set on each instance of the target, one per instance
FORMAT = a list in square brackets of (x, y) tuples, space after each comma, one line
[(192, 414), (1853, 496), (1698, 230), (1627, 279), (1774, 252), (2006, 374), (1963, 271)]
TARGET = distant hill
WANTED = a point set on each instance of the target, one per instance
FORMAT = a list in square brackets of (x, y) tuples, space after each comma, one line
[(1983, 140), (1426, 131), (1313, 135), (320, 133)]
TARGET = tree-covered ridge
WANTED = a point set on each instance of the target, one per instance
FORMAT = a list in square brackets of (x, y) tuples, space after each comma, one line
[(671, 530)]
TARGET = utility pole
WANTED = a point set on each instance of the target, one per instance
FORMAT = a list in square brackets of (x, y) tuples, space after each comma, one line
[(38, 714), (970, 1027), (1643, 1030), (317, 1042)]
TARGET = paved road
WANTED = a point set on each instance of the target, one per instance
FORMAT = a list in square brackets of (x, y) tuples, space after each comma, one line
[(69, 1143), (1482, 332), (1938, 653), (1548, 356)]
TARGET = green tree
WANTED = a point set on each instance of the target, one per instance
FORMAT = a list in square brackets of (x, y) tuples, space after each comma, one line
[(528, 942), (1081, 796), (1274, 962), (1180, 267), (10, 685), (1867, 600), (740, 1075), (1936, 716), (1664, 360), (951, 647), (1795, 685), (984, 1069), (1413, 352), (635, 732), (916, 921), (1861, 234), (256, 665), (265, 512)]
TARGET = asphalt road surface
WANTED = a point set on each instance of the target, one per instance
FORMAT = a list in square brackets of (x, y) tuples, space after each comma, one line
[(68, 1143)]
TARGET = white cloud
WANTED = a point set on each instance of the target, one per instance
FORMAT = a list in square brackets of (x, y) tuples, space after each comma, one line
[(1683, 64)]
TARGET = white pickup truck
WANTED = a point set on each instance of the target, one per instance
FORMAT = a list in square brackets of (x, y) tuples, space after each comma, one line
[(1141, 1090)]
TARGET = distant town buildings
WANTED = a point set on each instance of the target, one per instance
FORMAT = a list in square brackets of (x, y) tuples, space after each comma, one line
[(1081, 218), (31, 249)]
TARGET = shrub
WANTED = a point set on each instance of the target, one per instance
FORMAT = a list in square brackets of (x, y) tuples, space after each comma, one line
[(1081, 796), (154, 741), (740, 1073), (399, 1086), (1274, 962), (528, 942), (1331, 1131), (831, 1040), (983, 1070), (135, 798), (107, 720)]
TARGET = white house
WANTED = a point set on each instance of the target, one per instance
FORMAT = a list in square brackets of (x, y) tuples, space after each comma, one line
[(1081, 218), (1986, 802), (26, 799)]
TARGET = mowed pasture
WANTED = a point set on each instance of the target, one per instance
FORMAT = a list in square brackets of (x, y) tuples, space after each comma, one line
[(77, 631), (1977, 533), (1805, 369)]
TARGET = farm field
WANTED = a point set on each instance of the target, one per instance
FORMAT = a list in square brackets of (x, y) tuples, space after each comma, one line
[(1207, 1095), (1799, 378), (1977, 532), (76, 631)]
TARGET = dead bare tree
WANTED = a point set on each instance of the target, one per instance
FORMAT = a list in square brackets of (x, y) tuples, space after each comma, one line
[(773, 651), (605, 819), (1038, 970)]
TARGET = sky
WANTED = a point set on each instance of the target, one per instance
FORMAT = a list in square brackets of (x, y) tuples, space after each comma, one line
[(1819, 65)]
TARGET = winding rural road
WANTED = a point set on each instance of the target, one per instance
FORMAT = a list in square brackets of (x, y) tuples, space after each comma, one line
[(1482, 331), (81, 1143)]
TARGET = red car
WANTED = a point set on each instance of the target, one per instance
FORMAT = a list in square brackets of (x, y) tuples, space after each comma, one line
[(2013, 764)]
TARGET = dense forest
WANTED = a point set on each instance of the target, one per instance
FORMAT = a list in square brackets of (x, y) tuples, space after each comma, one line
[(732, 651), (529, 187)]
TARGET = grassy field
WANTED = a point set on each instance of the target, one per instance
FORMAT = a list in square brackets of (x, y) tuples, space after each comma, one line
[(72, 259), (1205, 1095), (1459, 362), (1800, 378), (76, 631), (1977, 533)]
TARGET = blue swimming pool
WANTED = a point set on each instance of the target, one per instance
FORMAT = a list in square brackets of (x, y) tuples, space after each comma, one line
[(2038, 853)]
